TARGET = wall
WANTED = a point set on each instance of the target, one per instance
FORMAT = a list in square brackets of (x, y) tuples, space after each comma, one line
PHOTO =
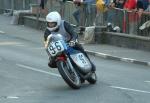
[(124, 40)]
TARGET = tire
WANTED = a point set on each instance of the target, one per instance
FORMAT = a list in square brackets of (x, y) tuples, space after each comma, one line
[(93, 78), (70, 76)]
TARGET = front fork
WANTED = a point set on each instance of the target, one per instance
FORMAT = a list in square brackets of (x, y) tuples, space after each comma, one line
[(66, 58), (70, 64)]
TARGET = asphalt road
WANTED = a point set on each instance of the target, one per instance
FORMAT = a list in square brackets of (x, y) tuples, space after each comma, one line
[(26, 78)]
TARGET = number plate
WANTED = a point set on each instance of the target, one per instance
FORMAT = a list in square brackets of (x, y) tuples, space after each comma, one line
[(55, 48), (80, 59)]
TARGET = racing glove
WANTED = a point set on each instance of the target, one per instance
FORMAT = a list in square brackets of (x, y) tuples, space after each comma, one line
[(73, 42)]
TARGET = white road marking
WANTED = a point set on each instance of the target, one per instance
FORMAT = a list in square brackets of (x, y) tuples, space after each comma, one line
[(40, 48), (127, 59), (10, 43), (2, 32), (38, 70), (101, 54), (57, 75), (129, 89), (12, 97), (20, 45), (147, 81)]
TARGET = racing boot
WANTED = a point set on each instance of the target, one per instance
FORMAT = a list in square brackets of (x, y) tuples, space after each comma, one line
[(52, 63)]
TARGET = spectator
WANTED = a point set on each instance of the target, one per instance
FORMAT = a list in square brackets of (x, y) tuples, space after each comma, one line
[(115, 17), (101, 8), (143, 7), (52, 5), (130, 4), (118, 3), (83, 12), (147, 11), (42, 4), (107, 2), (140, 7), (147, 23), (145, 4), (62, 7), (89, 11), (100, 5), (43, 10), (76, 14)]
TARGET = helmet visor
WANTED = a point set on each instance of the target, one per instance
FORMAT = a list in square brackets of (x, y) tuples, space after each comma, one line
[(52, 24)]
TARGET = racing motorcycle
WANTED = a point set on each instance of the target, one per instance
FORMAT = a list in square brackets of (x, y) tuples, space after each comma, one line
[(73, 65)]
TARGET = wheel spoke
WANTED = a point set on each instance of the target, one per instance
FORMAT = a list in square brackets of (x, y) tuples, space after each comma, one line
[(71, 73)]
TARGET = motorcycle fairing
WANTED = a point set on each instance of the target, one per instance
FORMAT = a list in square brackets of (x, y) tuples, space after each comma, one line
[(81, 61)]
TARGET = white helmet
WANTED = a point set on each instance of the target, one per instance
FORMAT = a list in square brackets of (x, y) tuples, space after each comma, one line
[(53, 17)]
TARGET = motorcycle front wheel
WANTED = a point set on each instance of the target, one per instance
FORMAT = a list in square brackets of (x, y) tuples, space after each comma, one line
[(69, 75)]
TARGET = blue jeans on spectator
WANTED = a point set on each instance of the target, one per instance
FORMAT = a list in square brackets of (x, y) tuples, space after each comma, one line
[(90, 14), (76, 15), (110, 16), (62, 8), (84, 13)]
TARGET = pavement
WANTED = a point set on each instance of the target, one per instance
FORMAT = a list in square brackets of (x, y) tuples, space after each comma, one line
[(99, 50)]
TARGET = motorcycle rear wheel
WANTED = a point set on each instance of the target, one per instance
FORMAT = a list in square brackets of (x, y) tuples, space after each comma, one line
[(93, 78), (69, 75)]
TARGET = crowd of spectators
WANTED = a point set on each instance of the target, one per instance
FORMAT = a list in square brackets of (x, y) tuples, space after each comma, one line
[(86, 10), (134, 8)]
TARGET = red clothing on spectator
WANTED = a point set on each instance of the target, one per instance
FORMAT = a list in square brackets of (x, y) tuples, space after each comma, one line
[(130, 4)]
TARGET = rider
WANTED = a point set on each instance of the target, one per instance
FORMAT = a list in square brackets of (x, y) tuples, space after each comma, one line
[(55, 25)]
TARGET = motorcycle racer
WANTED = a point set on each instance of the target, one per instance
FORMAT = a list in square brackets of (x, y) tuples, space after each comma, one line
[(55, 25)]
